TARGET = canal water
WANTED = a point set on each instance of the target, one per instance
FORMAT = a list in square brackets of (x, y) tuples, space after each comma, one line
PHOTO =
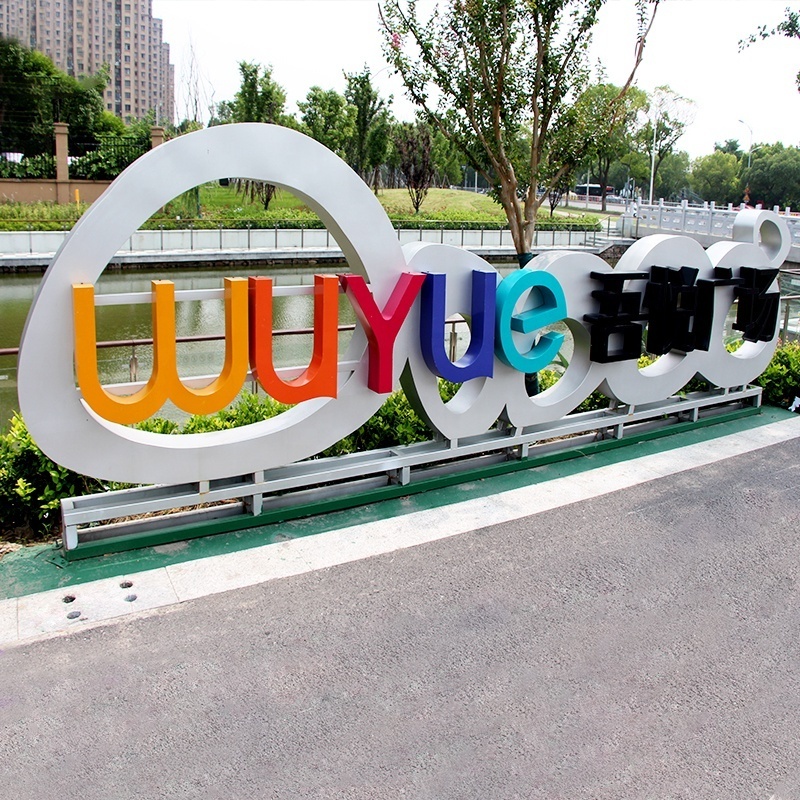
[(193, 318)]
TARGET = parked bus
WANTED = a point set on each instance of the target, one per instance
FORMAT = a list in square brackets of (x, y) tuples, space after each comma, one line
[(594, 190)]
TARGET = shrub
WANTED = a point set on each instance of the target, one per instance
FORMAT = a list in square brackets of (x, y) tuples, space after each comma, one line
[(41, 166), (181, 212), (781, 379), (447, 390), (112, 155), (39, 216), (32, 486), (159, 425), (395, 423), (249, 408), (94, 166), (595, 401), (463, 220)]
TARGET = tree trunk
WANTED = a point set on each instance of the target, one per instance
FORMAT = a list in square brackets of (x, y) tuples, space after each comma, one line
[(269, 193), (531, 211), (516, 225)]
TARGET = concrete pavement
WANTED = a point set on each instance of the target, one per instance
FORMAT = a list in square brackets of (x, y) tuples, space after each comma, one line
[(631, 632)]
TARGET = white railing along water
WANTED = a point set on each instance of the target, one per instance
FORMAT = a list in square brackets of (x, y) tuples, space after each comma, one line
[(707, 223)]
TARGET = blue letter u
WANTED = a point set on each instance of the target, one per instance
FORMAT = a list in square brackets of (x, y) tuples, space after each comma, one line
[(478, 361)]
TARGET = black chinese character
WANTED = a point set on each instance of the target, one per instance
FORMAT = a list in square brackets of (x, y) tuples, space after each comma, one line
[(757, 314), (704, 313), (670, 298), (616, 332)]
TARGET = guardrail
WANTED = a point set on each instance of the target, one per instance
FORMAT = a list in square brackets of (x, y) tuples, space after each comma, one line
[(706, 223), (453, 327), (31, 242)]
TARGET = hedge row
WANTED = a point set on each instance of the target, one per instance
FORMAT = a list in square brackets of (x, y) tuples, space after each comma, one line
[(287, 220), (31, 485), (41, 167)]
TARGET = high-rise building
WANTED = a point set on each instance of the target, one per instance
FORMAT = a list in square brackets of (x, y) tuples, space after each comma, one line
[(84, 36)]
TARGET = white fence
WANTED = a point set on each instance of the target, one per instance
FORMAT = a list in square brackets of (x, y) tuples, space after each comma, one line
[(707, 223), (267, 239)]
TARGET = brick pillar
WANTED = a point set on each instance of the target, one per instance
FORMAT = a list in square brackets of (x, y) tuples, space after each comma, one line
[(61, 130), (156, 136)]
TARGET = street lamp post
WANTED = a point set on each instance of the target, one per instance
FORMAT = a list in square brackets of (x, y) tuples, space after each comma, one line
[(746, 198), (749, 149), (658, 105), (653, 157), (625, 191)]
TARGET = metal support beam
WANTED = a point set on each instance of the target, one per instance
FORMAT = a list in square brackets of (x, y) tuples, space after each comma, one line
[(106, 516)]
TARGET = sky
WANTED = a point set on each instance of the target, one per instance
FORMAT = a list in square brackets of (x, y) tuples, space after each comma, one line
[(693, 48)]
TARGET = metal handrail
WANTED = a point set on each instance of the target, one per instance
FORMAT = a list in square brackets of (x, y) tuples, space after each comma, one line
[(13, 351)]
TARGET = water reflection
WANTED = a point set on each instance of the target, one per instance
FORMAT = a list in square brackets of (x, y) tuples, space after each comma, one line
[(193, 318)]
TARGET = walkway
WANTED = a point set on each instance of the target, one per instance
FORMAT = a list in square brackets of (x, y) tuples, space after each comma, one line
[(621, 626)]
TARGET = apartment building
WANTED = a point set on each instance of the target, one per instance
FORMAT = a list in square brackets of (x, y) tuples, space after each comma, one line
[(84, 36)]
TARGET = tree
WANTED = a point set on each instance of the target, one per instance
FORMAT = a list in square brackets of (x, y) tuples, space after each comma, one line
[(108, 124), (34, 94), (730, 146), (195, 93), (482, 71), (789, 27), (413, 143), (774, 177), (378, 147), (372, 124), (327, 117), (558, 191), (259, 99), (565, 155), (611, 144), (672, 114), (118, 147), (446, 161), (633, 166), (673, 179), (716, 177)]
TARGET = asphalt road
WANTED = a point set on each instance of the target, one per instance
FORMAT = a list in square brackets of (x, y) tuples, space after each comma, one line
[(644, 644)]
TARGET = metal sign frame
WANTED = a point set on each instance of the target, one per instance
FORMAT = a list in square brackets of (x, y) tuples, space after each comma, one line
[(402, 297)]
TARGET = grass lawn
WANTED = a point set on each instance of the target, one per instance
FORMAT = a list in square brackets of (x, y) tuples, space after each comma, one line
[(438, 203), (212, 204), (398, 202), (215, 198)]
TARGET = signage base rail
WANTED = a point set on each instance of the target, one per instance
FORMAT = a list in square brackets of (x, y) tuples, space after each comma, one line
[(131, 518)]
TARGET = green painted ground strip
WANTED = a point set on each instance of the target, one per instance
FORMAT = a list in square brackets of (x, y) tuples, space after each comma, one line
[(44, 567), (379, 494)]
